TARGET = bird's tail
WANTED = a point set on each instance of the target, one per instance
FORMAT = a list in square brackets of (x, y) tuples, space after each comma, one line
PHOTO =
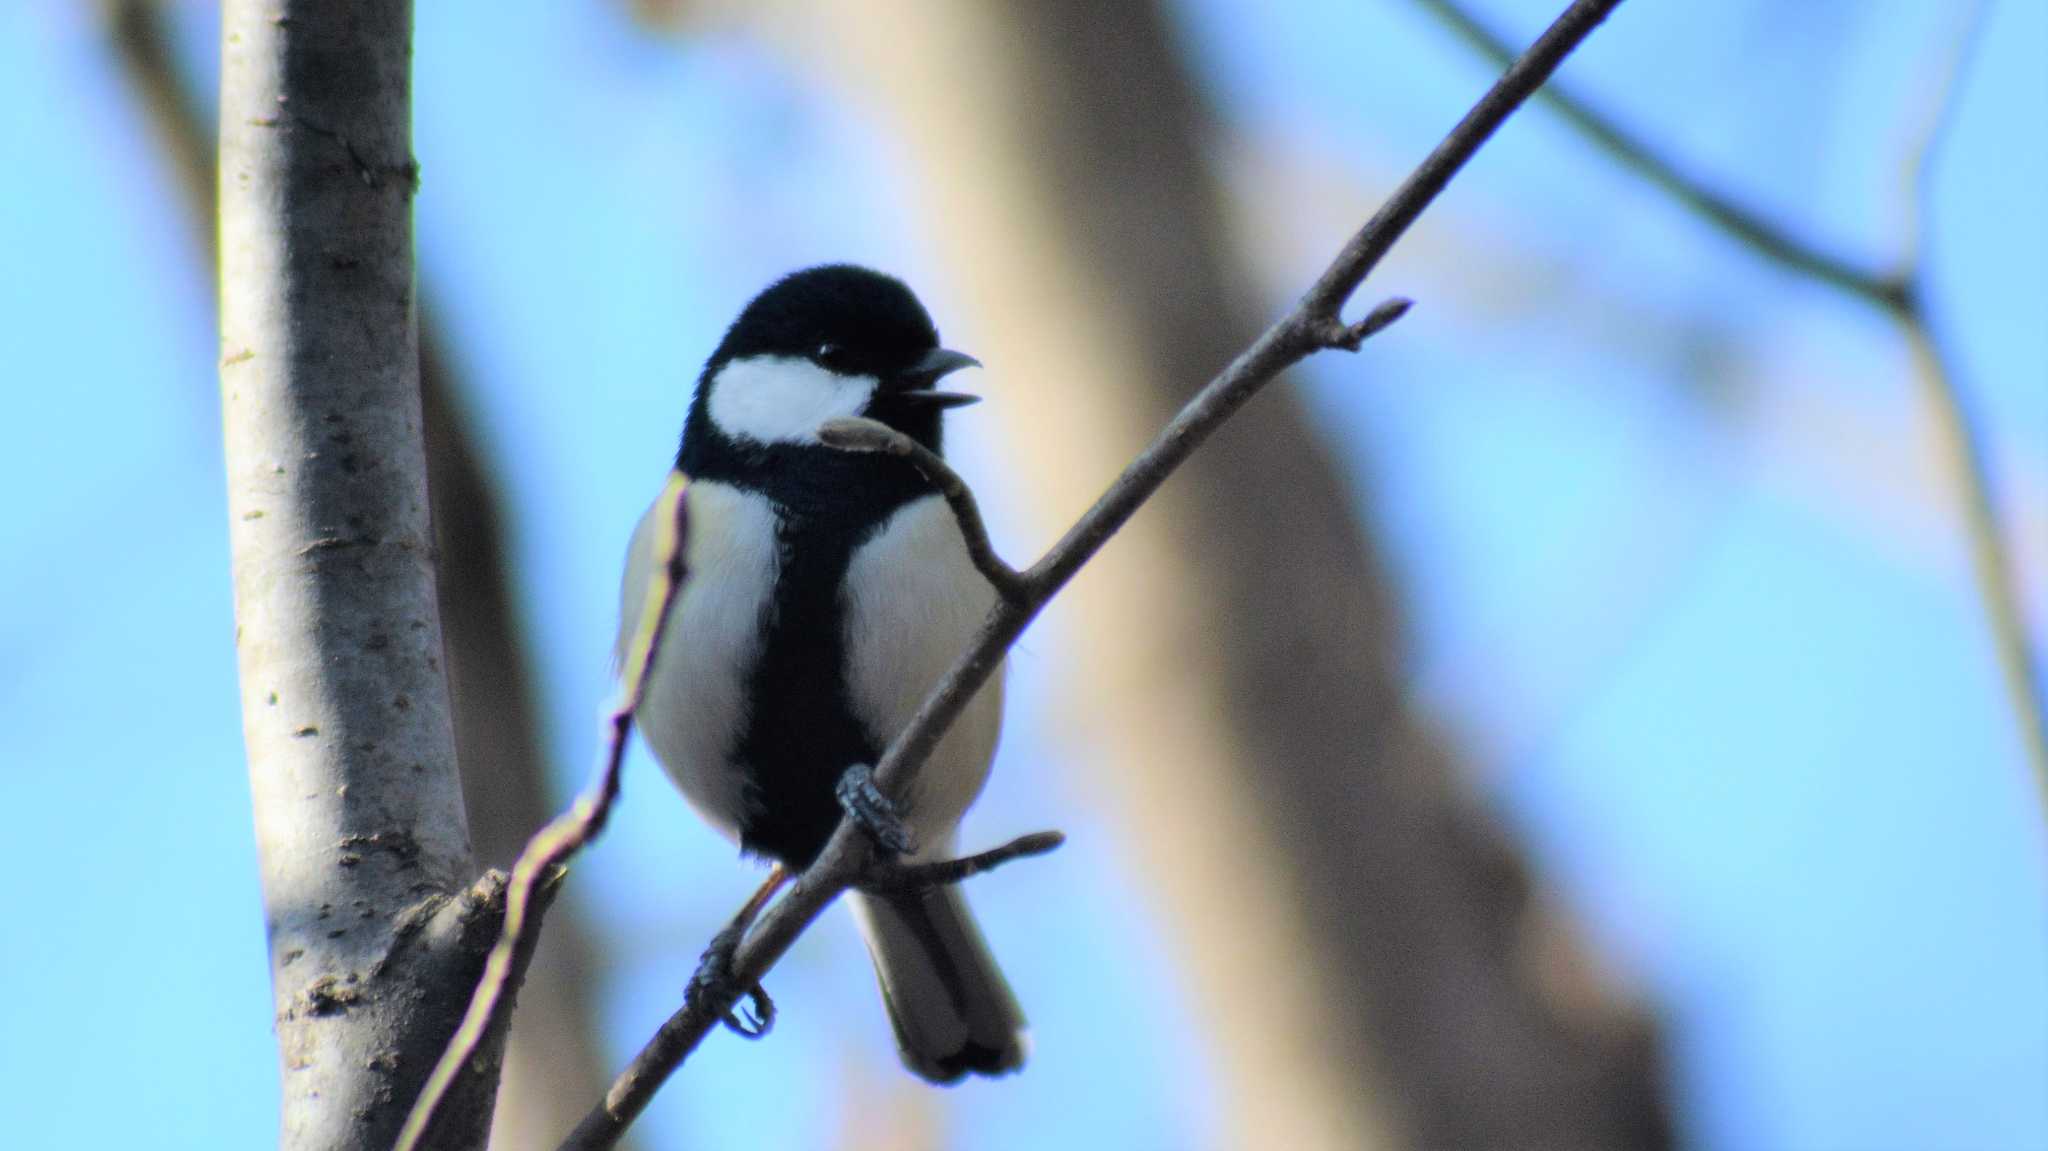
[(953, 1012)]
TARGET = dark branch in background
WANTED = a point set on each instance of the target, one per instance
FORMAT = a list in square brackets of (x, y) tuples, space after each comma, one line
[(552, 1055), (551, 1061), (1900, 294), (141, 43), (1312, 326)]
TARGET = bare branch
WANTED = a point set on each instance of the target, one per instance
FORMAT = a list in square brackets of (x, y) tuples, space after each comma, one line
[(554, 845), (1901, 294), (1313, 324), (1523, 77), (889, 876), (860, 435), (1350, 337)]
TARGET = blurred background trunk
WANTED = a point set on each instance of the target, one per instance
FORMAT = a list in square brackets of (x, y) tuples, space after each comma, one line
[(1365, 955), (553, 1065)]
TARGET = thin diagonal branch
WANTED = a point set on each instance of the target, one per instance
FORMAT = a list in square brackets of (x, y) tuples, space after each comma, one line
[(862, 435), (1313, 325), (1901, 294), (564, 836)]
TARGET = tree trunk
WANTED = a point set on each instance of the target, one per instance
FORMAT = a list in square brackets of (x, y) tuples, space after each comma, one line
[(553, 1066), (376, 935)]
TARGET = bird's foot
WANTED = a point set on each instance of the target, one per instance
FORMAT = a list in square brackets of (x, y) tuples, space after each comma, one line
[(875, 813), (714, 972)]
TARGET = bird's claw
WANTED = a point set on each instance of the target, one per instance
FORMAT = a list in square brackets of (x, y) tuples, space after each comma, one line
[(754, 1020), (875, 813), (714, 971)]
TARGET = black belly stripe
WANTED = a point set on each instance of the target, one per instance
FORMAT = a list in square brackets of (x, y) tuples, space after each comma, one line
[(801, 733)]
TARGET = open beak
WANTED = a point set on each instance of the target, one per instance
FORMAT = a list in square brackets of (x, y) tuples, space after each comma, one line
[(936, 365)]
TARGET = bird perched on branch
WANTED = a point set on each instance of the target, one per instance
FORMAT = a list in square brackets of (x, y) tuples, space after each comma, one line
[(826, 594)]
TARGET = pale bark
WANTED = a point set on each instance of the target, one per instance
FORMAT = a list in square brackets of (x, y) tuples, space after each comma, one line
[(376, 933), (552, 1062)]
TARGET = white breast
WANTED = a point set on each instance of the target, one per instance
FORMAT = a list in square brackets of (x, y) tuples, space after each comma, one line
[(695, 708), (913, 604)]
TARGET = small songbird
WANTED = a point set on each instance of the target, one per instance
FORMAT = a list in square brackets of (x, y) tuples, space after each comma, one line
[(826, 592)]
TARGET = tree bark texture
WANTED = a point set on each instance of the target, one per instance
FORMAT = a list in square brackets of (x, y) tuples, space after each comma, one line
[(553, 1067), (1358, 937), (376, 934)]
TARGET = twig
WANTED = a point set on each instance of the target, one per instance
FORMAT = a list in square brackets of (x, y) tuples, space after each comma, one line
[(1900, 293), (889, 876), (861, 435), (1314, 324), (565, 835)]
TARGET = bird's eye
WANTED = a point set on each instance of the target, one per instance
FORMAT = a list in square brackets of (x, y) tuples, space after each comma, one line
[(829, 354)]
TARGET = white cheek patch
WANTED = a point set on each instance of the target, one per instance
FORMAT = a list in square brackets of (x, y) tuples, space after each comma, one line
[(782, 400)]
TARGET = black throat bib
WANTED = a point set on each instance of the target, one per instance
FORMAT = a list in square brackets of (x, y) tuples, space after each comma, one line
[(801, 734)]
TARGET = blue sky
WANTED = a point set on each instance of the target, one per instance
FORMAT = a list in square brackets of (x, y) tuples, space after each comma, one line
[(1681, 582)]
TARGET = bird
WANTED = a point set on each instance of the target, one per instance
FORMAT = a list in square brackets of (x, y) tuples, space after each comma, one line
[(826, 593)]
